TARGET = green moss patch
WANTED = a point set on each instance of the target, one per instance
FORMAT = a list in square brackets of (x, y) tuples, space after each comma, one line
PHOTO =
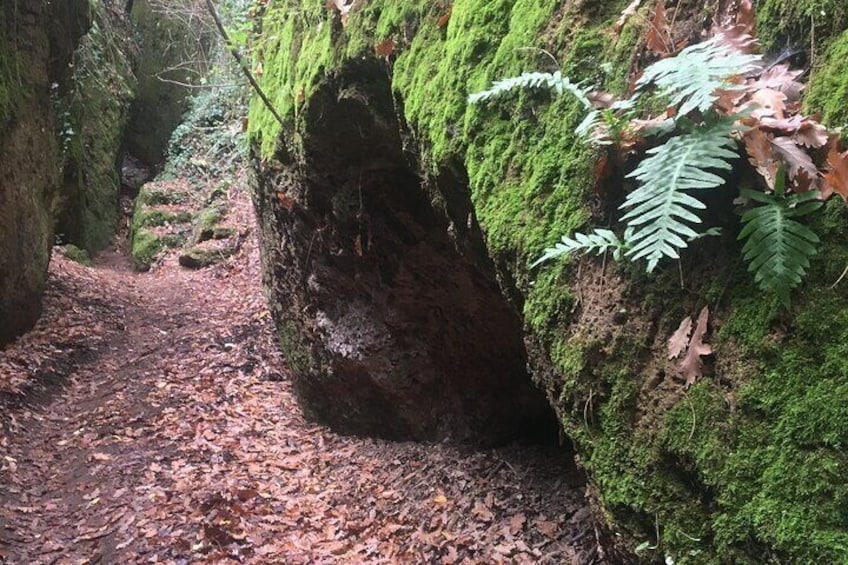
[(76, 254), (153, 217), (748, 465), (200, 257), (829, 87), (156, 224), (153, 196), (145, 247), (206, 223), (805, 24)]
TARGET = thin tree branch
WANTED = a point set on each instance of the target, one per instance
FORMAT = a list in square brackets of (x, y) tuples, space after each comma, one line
[(198, 86), (241, 63)]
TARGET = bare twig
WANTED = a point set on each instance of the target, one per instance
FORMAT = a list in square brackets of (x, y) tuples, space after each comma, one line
[(241, 63), (586, 406), (543, 52), (812, 46), (839, 280), (694, 417), (189, 85)]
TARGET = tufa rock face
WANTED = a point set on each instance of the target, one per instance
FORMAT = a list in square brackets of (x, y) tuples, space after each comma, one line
[(750, 461), (173, 47), (29, 152), (388, 309), (91, 125)]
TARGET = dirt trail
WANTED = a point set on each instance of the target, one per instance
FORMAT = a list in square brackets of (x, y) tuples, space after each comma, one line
[(174, 437)]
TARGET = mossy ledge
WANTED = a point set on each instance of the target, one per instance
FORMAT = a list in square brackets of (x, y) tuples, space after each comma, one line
[(749, 465)]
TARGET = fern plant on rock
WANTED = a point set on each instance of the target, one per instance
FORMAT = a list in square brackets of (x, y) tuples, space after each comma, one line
[(721, 97)]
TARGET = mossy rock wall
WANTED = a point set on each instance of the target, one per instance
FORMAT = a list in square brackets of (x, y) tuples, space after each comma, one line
[(92, 120), (175, 50), (37, 40), (750, 465)]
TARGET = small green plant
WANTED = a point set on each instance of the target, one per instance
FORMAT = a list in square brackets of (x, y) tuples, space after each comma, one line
[(598, 242), (720, 96), (778, 248)]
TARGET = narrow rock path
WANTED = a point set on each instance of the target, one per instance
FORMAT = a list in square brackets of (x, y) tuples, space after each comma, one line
[(169, 433)]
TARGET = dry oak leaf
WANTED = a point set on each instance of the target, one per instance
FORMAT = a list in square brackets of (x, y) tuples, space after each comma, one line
[(741, 33), (779, 77), (794, 156), (811, 134), (730, 101), (482, 512), (731, 36), (680, 339), (805, 131), (761, 155), (547, 528), (691, 367), (836, 179), (659, 32), (769, 103), (746, 17), (516, 523)]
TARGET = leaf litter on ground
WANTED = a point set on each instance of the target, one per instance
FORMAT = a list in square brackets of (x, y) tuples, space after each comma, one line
[(173, 436)]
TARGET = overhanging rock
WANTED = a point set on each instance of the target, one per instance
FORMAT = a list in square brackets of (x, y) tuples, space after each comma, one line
[(387, 305)]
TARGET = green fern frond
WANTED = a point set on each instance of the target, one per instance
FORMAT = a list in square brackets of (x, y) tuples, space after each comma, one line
[(692, 77), (660, 208), (596, 242), (587, 126), (554, 81), (778, 248), (618, 113)]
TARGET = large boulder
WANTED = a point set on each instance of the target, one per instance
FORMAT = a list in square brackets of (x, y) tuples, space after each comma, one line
[(370, 193), (37, 40), (386, 303)]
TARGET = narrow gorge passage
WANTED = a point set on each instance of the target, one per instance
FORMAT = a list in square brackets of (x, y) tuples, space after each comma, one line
[(176, 439)]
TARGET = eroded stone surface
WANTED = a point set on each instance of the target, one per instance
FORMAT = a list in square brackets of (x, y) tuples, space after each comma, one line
[(29, 174), (391, 316)]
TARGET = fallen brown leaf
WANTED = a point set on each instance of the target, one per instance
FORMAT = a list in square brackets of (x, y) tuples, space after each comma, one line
[(385, 48), (680, 339), (691, 367), (658, 38), (836, 179)]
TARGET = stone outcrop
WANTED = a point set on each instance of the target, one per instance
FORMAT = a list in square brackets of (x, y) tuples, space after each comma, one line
[(390, 208), (67, 87), (37, 40), (94, 110), (174, 45), (386, 302)]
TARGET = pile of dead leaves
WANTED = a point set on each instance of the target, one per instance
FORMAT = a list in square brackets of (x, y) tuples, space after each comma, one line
[(180, 441), (78, 317)]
